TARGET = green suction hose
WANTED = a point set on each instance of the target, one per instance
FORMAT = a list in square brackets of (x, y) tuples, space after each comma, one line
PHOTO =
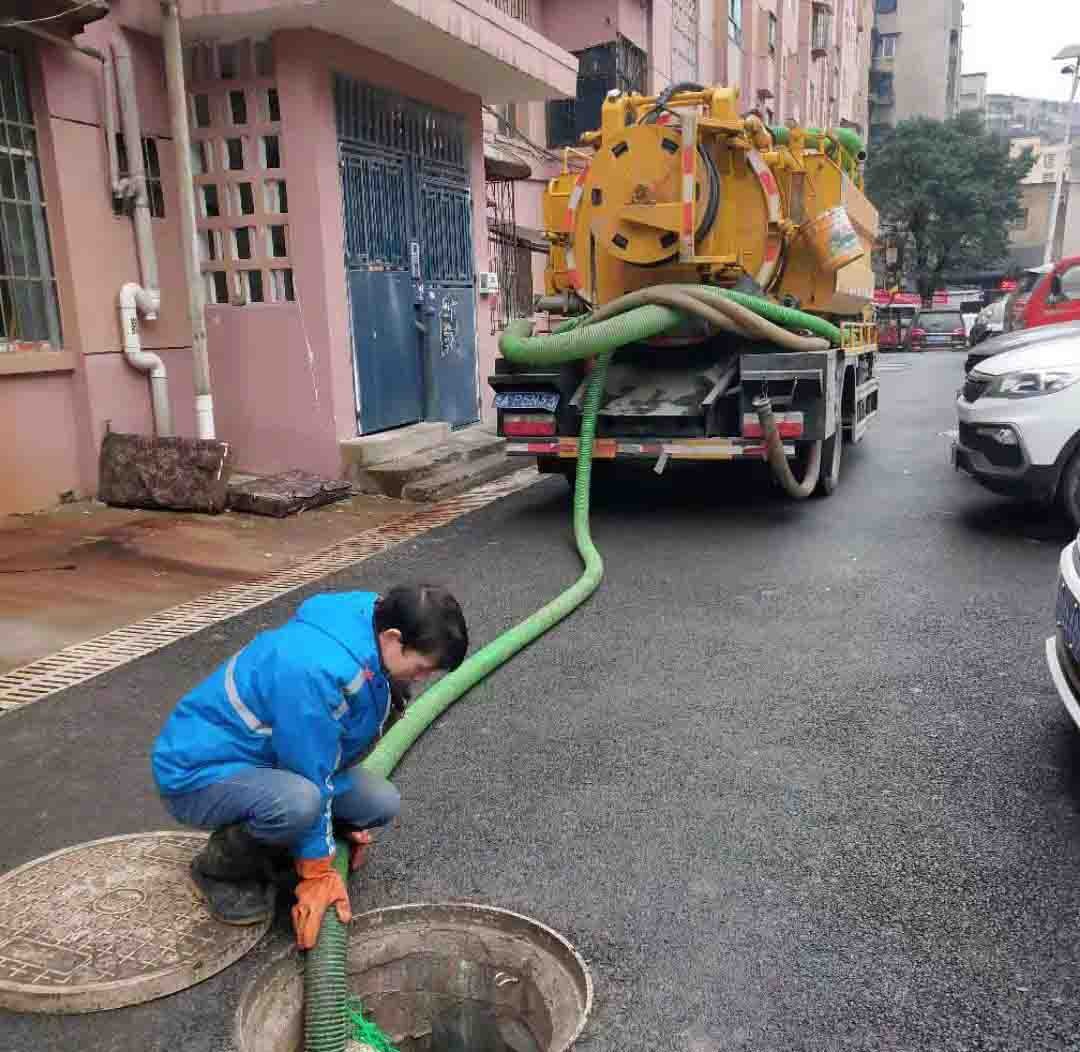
[(437, 698), (787, 317), (326, 989), (326, 1020)]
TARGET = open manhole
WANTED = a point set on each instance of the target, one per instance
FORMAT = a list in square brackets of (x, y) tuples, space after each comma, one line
[(429, 975)]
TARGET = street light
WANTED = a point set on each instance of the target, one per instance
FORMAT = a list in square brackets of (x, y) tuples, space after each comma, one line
[(1069, 53)]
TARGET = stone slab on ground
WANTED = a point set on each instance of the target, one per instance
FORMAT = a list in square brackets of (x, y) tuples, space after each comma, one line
[(285, 494), (181, 474)]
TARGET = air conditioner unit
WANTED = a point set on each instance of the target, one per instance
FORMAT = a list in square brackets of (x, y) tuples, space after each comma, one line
[(487, 283)]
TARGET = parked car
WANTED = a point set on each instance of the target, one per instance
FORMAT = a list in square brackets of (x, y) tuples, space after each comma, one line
[(1013, 341), (990, 321), (937, 329), (1053, 298), (1017, 300), (969, 311), (1019, 417), (893, 322), (1063, 647)]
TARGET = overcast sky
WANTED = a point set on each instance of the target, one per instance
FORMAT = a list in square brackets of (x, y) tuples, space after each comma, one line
[(1013, 43)]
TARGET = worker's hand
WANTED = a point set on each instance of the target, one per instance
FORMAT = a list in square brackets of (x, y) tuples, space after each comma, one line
[(360, 841), (320, 888)]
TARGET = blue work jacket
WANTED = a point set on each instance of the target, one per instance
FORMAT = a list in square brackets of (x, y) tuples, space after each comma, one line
[(308, 697)]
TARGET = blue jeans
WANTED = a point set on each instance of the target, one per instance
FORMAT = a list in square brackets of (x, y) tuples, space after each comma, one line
[(279, 807)]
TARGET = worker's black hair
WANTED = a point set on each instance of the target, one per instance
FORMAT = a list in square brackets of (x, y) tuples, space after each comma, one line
[(429, 620)]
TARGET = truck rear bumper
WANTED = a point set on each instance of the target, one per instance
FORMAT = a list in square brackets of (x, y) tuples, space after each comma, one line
[(648, 449)]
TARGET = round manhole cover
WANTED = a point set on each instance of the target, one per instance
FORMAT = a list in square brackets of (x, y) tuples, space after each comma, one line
[(110, 923)]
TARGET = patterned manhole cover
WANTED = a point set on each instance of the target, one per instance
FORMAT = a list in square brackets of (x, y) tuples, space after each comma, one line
[(110, 923)]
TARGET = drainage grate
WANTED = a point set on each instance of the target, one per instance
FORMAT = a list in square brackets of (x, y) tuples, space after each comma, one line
[(83, 661)]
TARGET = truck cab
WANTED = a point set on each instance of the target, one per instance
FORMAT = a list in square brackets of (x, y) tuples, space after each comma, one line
[(1055, 297)]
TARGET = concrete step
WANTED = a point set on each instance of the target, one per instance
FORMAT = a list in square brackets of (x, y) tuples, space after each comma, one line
[(462, 447), (365, 451), (458, 476)]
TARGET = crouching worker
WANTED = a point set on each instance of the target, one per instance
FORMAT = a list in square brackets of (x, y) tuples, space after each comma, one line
[(264, 753)]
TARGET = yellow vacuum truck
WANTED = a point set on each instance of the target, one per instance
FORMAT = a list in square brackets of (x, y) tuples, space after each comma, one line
[(759, 238)]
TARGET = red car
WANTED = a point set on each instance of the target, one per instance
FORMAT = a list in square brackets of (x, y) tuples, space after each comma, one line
[(937, 329), (1047, 296)]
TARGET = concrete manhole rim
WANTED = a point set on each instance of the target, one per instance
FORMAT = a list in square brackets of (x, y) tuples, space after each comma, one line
[(111, 994), (290, 954)]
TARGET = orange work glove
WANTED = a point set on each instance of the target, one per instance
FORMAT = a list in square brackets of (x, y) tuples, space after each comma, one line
[(320, 888), (360, 841)]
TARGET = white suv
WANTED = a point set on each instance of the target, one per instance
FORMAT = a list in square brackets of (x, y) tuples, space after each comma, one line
[(1020, 423)]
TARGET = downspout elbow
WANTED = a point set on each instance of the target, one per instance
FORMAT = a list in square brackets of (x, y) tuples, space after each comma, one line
[(134, 298)]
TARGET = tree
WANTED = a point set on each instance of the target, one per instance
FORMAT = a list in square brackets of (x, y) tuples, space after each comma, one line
[(946, 192)]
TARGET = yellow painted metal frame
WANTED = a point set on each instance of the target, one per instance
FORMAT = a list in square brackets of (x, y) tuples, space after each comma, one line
[(611, 223)]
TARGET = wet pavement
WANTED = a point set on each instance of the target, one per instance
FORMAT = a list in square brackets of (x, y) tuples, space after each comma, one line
[(795, 779), (83, 569)]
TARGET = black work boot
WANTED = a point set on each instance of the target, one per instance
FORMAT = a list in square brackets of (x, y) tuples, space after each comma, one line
[(281, 867), (232, 874)]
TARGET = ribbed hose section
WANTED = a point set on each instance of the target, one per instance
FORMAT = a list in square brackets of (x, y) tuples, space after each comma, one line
[(675, 296), (774, 452), (326, 990), (325, 985), (437, 698), (752, 316), (787, 317)]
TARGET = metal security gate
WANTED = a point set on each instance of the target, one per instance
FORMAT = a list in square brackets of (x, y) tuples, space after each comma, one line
[(408, 257)]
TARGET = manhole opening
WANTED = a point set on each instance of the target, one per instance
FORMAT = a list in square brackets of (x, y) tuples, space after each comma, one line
[(438, 978), (435, 1003)]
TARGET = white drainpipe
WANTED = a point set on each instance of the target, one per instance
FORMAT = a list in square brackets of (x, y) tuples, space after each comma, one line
[(134, 298), (144, 298)]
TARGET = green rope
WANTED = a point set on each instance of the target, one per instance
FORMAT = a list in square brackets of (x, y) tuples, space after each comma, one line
[(366, 1031)]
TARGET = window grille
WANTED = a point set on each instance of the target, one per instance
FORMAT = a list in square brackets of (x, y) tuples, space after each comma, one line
[(29, 312)]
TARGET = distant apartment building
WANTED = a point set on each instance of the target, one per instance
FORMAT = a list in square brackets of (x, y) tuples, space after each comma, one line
[(915, 62), (804, 61), (1050, 158), (973, 93), (1014, 115), (1027, 236)]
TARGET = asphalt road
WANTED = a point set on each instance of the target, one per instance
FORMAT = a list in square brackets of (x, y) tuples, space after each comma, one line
[(795, 779)]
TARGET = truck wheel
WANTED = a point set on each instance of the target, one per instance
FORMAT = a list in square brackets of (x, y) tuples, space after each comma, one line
[(831, 452), (1069, 490)]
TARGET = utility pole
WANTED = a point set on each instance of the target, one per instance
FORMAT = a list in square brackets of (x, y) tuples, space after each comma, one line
[(1072, 53)]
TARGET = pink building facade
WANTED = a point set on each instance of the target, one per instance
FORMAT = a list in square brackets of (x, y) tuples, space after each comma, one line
[(338, 162), (806, 61)]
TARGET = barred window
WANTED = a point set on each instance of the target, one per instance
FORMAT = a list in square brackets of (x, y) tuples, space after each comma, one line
[(152, 167), (28, 304)]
